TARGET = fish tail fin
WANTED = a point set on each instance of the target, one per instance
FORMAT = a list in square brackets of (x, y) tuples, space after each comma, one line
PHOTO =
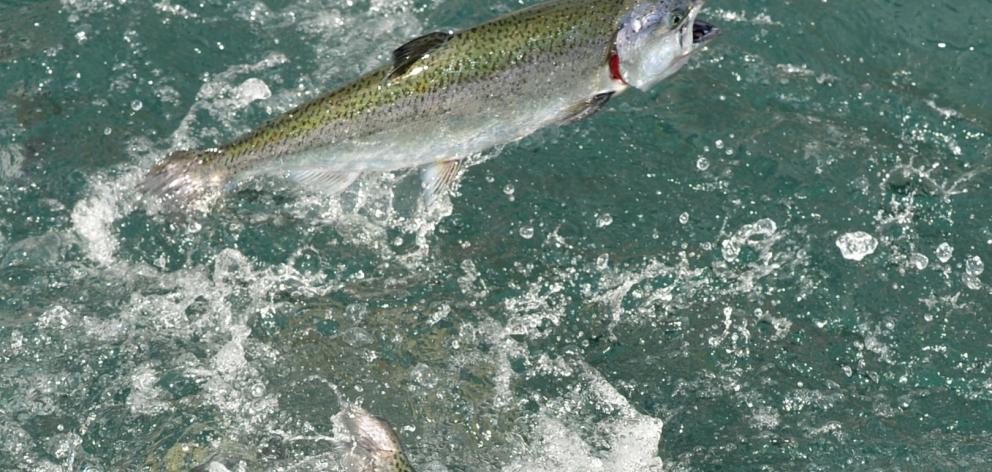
[(367, 441), (183, 177)]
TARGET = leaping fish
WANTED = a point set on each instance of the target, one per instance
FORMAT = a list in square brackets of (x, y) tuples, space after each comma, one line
[(447, 96)]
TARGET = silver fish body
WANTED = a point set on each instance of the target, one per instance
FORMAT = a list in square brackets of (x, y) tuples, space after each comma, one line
[(448, 96)]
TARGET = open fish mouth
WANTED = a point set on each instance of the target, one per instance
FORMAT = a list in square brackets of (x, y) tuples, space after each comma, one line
[(703, 32)]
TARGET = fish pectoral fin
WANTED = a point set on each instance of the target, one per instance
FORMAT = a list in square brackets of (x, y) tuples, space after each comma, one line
[(322, 179), (438, 179), (587, 108), (408, 54)]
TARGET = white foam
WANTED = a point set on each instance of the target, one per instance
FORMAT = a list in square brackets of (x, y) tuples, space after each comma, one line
[(76, 7), (220, 97), (166, 6), (741, 17), (974, 266), (857, 245), (748, 235), (92, 219), (626, 441), (145, 397), (251, 90), (947, 113), (37, 251)]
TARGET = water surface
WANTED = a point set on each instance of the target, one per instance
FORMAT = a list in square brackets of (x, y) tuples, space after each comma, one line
[(772, 261)]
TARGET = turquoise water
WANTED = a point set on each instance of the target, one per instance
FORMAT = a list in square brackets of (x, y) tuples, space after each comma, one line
[(659, 287)]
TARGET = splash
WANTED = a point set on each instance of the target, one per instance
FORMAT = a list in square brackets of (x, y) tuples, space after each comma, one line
[(624, 440)]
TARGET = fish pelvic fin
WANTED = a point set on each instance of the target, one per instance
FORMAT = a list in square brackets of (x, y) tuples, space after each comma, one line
[(368, 443), (327, 181), (184, 178), (585, 109), (439, 179)]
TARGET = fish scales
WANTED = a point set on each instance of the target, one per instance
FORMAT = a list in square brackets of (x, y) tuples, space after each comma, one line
[(367, 106)]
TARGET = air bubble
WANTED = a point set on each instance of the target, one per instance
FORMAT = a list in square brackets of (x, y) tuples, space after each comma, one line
[(919, 261), (526, 232), (604, 220), (603, 261), (974, 266), (944, 252)]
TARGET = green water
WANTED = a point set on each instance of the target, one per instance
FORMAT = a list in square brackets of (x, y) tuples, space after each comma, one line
[(659, 287)]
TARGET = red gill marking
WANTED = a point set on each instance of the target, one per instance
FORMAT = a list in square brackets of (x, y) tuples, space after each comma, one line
[(615, 69)]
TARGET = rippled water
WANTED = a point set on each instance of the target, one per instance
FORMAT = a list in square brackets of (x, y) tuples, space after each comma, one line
[(773, 261)]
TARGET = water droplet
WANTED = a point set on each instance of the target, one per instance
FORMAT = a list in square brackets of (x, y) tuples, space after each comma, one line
[(974, 266), (136, 105), (856, 246), (604, 220), (107, 131), (422, 375), (508, 189), (252, 90), (526, 232), (684, 218), (719, 144), (603, 261), (944, 252), (731, 249), (972, 282), (702, 163), (765, 227), (919, 261)]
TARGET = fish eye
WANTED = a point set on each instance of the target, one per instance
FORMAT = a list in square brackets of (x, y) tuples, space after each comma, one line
[(677, 18)]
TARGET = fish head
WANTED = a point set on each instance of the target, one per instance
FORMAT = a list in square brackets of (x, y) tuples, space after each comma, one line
[(656, 38)]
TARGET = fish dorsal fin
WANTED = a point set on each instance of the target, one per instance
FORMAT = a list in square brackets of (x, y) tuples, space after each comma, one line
[(406, 55)]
